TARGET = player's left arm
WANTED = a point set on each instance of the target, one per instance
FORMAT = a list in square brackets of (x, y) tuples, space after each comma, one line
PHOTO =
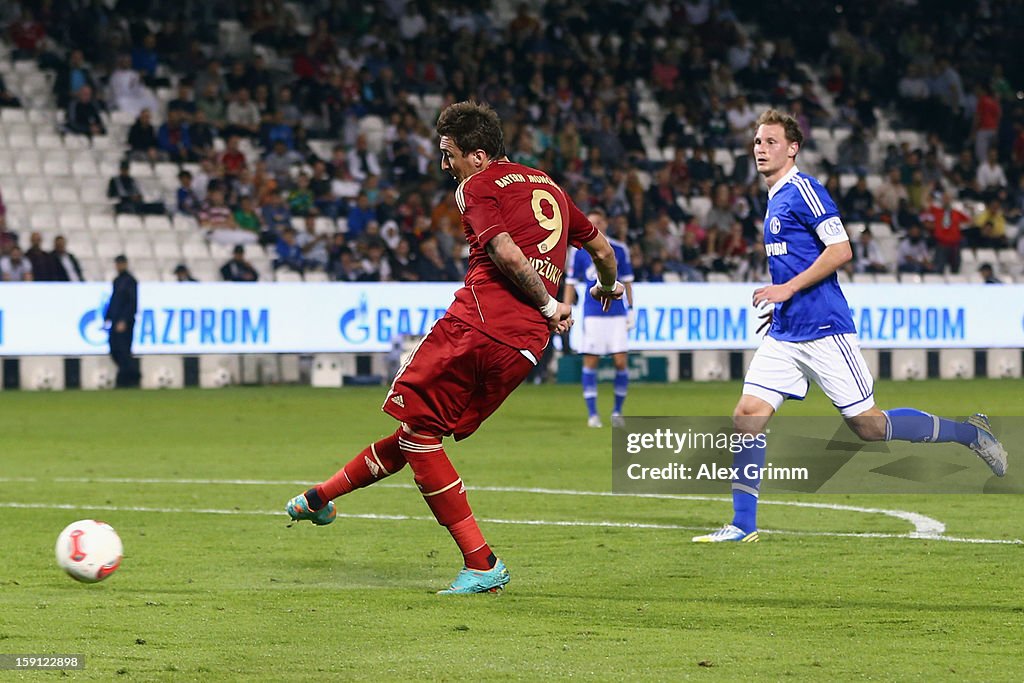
[(511, 261), (832, 233)]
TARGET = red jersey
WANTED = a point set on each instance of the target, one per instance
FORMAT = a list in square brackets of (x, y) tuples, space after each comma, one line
[(945, 224), (542, 220)]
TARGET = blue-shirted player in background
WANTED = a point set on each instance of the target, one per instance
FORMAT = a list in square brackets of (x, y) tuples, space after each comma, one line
[(604, 332), (811, 335)]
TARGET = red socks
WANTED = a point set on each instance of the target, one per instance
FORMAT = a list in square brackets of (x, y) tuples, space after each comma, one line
[(378, 460), (435, 476), (445, 494)]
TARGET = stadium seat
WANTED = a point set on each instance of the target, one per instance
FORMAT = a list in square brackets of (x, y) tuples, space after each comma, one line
[(286, 275), (10, 116), (908, 278), (986, 256), (195, 250), (909, 364), (97, 372), (166, 247), (710, 366), (327, 370), (956, 279), (1003, 363), (317, 276), (41, 373), (27, 165), (43, 221), (101, 222), (216, 371), (863, 278), (56, 168), (933, 279), (162, 372), (146, 274), (65, 194), (127, 222), (138, 248), (956, 363)]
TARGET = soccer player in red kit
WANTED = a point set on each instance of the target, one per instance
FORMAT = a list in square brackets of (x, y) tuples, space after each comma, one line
[(518, 223)]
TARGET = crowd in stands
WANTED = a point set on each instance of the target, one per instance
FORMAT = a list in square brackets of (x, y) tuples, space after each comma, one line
[(276, 130)]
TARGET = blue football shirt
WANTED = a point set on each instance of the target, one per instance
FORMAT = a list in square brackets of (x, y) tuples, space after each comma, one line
[(801, 220), (582, 269)]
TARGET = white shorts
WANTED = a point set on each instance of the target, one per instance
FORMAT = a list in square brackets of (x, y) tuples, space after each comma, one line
[(605, 335), (781, 370)]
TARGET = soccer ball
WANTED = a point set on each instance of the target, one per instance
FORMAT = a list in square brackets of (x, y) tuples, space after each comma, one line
[(88, 550)]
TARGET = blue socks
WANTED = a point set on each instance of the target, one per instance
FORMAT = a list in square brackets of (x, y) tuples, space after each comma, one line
[(745, 487), (621, 389), (590, 390), (909, 424)]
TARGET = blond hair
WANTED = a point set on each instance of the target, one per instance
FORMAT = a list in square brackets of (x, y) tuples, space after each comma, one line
[(774, 117)]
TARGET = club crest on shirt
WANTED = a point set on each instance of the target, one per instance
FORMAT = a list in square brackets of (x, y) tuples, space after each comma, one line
[(833, 226), (774, 225)]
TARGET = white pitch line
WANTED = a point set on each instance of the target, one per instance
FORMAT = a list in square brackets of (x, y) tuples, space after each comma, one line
[(517, 522), (925, 528)]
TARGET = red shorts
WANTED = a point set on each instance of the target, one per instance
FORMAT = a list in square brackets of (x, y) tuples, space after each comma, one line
[(455, 378)]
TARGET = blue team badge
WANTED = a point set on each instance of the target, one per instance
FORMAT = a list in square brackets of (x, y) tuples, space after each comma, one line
[(833, 226), (774, 225)]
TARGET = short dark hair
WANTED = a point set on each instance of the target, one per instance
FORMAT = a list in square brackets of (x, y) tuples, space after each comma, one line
[(774, 117), (472, 126)]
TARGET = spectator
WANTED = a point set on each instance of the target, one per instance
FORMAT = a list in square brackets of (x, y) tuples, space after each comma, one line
[(858, 202), (913, 255), (867, 257), (300, 199), (360, 215), (145, 60), (854, 153), (142, 139), (65, 266), (27, 34), (989, 229), (184, 103), (201, 134), (247, 218), (242, 116), (276, 219), (238, 269), (362, 162), (185, 198), (290, 254), (14, 267), (313, 245), (990, 175), (83, 116), (174, 139), (127, 92), (279, 163), (987, 115), (181, 274), (432, 266), (232, 159), (71, 77), (891, 192), (42, 263), (218, 221), (211, 104), (7, 98), (987, 275), (403, 262), (946, 224), (125, 190)]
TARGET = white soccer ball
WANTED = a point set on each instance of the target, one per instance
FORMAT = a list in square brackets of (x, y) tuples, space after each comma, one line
[(89, 551)]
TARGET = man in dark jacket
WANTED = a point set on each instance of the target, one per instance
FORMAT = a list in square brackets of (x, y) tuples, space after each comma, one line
[(65, 266), (120, 318)]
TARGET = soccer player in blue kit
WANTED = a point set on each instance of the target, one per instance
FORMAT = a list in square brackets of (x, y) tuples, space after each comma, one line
[(811, 335), (605, 332)]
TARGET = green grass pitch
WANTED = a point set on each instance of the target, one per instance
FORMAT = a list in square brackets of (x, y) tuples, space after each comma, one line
[(215, 587)]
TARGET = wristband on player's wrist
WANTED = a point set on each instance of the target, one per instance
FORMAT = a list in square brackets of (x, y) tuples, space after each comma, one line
[(604, 288), (549, 309)]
